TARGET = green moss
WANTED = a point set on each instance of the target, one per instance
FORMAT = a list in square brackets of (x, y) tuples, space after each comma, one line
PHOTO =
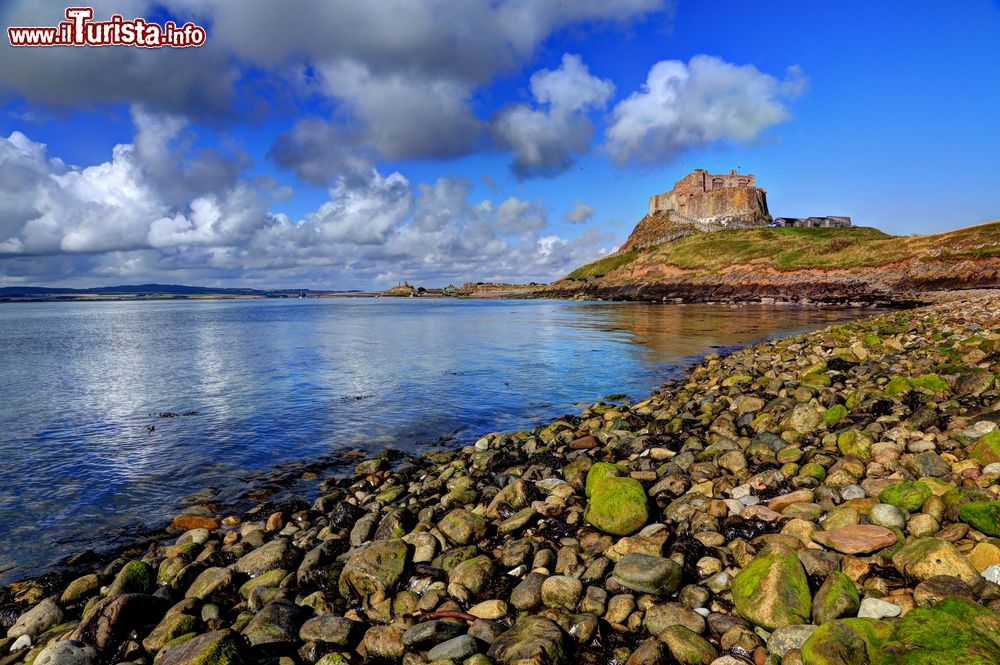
[(855, 443), (846, 642), (987, 449), (838, 596), (897, 385), (834, 414), (617, 506), (909, 496), (687, 647), (982, 516), (930, 382), (773, 591), (271, 578), (134, 577), (598, 472), (813, 470), (949, 632)]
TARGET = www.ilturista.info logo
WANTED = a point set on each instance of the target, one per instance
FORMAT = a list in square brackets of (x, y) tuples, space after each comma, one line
[(80, 30)]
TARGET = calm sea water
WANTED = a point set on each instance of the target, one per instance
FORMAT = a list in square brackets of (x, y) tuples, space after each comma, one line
[(265, 383)]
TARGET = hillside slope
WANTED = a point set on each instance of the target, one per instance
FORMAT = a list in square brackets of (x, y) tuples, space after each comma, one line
[(832, 265)]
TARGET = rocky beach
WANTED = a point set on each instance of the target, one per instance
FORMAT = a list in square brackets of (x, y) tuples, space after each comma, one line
[(827, 498)]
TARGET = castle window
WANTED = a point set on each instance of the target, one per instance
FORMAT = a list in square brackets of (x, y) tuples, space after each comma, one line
[(744, 183), (717, 183)]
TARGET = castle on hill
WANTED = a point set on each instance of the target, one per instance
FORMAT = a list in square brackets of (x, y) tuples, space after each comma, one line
[(707, 202)]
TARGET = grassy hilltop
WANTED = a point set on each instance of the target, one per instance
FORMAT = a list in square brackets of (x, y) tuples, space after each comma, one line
[(789, 249)]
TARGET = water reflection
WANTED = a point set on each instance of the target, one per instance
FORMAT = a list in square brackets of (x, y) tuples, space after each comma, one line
[(269, 382)]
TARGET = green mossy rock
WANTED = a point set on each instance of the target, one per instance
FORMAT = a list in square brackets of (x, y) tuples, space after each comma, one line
[(533, 639), (815, 380), (617, 506), (955, 631), (982, 516), (372, 572), (930, 382), (271, 578), (909, 495), (834, 414), (172, 626), (219, 647), (987, 449), (846, 642), (813, 470), (686, 646), (855, 443), (134, 577), (773, 591), (837, 597), (898, 385), (599, 472)]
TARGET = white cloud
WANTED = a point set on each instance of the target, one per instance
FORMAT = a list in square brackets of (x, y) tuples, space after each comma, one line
[(681, 106), (120, 221), (579, 213), (546, 141), (404, 70)]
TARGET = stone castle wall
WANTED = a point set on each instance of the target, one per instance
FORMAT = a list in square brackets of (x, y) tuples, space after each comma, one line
[(686, 191)]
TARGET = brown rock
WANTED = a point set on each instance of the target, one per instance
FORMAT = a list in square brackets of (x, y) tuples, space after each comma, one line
[(856, 538), (584, 443), (188, 522), (275, 522), (984, 555), (779, 503)]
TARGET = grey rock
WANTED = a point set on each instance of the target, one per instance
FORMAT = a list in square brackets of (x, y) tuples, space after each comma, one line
[(37, 620), (457, 648), (67, 652), (789, 638), (887, 515), (432, 632), (648, 574)]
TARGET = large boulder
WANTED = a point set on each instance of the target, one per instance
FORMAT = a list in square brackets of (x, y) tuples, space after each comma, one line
[(371, 573), (533, 640), (617, 506), (773, 591), (846, 642)]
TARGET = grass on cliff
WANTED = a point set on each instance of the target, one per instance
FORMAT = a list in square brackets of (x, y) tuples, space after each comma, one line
[(802, 249)]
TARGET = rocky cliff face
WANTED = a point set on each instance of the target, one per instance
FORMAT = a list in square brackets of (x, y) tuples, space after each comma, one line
[(898, 283), (731, 208)]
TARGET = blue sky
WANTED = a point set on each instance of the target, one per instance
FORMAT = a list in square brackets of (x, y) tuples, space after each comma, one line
[(354, 145)]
